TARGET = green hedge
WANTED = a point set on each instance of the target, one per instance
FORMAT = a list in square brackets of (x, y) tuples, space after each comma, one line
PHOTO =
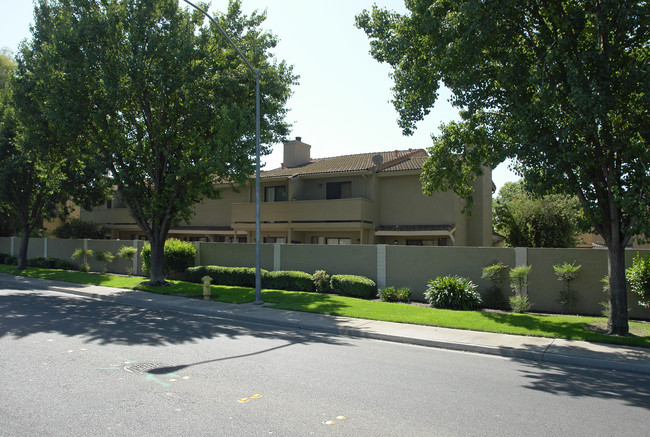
[(178, 256), (51, 263), (288, 280), (354, 286), (233, 276)]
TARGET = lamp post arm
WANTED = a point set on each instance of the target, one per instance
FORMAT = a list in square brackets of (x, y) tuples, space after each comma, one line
[(256, 73)]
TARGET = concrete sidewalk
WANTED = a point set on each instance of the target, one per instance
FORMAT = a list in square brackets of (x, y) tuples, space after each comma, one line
[(542, 350)]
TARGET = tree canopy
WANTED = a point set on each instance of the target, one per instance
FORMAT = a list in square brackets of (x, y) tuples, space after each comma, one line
[(162, 97), (561, 87), (527, 220)]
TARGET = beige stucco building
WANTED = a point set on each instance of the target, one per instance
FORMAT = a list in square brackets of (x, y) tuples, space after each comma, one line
[(371, 198)]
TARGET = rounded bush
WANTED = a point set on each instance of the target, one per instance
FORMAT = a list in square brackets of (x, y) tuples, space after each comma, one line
[(288, 280), (178, 256), (354, 286), (452, 292), (391, 294), (232, 276), (321, 281)]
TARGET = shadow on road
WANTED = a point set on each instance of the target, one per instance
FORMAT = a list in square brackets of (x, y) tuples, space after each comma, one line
[(23, 313), (592, 383)]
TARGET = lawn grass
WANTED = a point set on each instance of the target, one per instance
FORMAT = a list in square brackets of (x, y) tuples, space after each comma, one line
[(552, 326)]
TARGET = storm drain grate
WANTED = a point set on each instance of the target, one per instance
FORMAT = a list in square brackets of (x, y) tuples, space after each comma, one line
[(143, 368)]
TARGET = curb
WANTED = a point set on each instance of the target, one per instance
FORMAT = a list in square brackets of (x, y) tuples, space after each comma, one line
[(541, 354)]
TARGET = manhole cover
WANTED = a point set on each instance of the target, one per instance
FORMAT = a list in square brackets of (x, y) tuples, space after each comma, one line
[(143, 368)]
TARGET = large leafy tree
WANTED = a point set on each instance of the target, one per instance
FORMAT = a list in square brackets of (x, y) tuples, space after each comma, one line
[(162, 97), (527, 220), (38, 173), (562, 87)]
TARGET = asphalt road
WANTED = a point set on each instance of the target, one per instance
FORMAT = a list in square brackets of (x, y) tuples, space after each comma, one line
[(73, 366)]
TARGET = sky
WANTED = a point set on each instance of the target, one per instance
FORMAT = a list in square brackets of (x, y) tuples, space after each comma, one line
[(342, 103)]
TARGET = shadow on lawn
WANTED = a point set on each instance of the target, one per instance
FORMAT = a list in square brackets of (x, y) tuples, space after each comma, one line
[(309, 302), (566, 330), (24, 313)]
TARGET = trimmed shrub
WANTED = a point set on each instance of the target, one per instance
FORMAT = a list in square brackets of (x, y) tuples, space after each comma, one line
[(288, 280), (11, 260), (321, 281), (233, 276), (638, 275), (178, 256), (497, 274), (391, 294), (519, 304), (452, 292), (50, 263), (354, 286), (3, 256), (566, 272)]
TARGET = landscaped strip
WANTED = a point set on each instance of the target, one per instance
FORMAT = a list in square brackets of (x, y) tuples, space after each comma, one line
[(553, 326)]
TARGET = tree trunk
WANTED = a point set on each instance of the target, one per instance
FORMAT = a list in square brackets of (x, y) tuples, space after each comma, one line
[(618, 313), (157, 276), (22, 251)]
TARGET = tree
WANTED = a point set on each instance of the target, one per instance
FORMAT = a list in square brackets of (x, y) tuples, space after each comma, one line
[(526, 220), (163, 98), (37, 174), (561, 87)]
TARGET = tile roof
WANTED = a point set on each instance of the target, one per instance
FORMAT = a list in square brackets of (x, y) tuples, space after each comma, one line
[(399, 160)]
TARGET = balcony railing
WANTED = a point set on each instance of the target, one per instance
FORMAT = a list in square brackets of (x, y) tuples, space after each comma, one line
[(306, 211)]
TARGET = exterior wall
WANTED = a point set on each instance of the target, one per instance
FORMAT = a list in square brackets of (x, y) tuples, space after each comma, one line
[(414, 266), (217, 212), (401, 202), (479, 223), (235, 255), (388, 265)]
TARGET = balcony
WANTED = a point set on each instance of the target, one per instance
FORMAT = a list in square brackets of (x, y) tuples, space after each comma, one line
[(305, 211), (108, 216)]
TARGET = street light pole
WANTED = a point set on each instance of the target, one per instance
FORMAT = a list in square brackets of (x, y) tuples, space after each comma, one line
[(256, 73)]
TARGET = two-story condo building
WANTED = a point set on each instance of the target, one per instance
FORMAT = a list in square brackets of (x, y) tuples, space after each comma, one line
[(370, 198)]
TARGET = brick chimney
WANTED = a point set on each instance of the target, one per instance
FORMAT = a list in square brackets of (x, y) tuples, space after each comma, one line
[(296, 153)]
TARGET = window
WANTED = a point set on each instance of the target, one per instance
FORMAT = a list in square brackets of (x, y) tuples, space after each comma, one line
[(109, 204), (343, 241), (273, 240), (338, 190), (442, 241), (275, 194), (414, 243)]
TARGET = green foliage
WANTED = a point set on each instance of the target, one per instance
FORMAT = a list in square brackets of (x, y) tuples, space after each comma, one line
[(452, 292), (127, 252), (354, 286), (526, 220), (638, 275), (288, 280), (81, 253), (50, 263), (178, 256), (566, 272), (232, 276), (552, 85), (321, 281), (519, 279), (105, 257), (161, 97), (391, 294), (84, 267), (79, 229), (519, 304), (497, 274)]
